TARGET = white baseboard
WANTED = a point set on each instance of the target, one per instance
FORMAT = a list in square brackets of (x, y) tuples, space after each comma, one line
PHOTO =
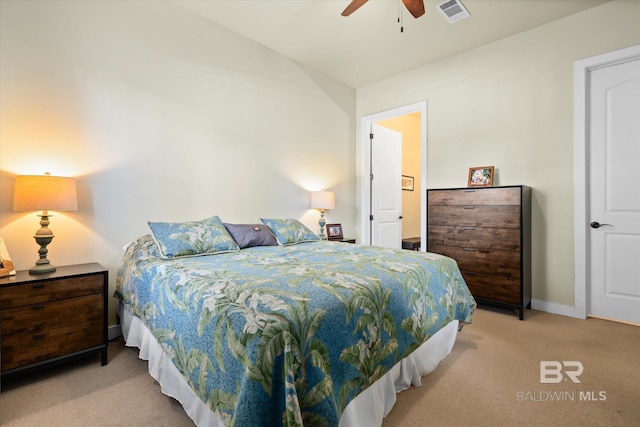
[(114, 332), (552, 307)]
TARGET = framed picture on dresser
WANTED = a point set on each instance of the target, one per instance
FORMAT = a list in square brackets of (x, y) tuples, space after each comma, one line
[(480, 176)]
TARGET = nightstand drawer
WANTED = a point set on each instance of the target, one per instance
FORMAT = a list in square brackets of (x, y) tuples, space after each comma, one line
[(45, 330), (53, 290)]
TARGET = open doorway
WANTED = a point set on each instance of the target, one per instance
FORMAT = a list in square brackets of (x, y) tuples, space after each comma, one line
[(410, 121)]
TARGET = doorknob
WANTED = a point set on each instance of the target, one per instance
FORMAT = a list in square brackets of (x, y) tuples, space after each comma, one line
[(400, 217), (596, 224)]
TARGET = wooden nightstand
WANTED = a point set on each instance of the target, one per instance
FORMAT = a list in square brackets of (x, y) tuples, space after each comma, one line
[(52, 318), (411, 243), (345, 240)]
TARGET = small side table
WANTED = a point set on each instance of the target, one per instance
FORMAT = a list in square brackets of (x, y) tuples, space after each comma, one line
[(343, 240), (52, 318), (411, 243)]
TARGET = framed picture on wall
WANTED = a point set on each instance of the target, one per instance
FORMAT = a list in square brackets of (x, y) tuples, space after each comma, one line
[(407, 183), (480, 176), (334, 232)]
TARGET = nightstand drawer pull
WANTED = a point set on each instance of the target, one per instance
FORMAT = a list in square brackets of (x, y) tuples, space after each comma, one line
[(37, 306), (469, 249), (39, 337), (469, 207), (468, 228)]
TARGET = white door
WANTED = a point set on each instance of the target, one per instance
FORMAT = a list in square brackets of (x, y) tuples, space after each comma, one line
[(386, 194), (614, 191)]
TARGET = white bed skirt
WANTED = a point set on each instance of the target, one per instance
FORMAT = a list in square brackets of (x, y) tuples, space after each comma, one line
[(366, 410)]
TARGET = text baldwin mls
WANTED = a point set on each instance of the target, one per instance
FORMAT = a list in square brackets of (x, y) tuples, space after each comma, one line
[(554, 372)]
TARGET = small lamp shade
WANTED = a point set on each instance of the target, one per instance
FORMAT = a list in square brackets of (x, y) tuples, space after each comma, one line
[(322, 200), (45, 192)]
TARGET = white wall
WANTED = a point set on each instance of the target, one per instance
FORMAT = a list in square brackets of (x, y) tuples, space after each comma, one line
[(160, 115), (510, 104)]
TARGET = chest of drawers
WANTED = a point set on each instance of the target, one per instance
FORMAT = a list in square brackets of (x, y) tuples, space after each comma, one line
[(52, 318), (488, 232)]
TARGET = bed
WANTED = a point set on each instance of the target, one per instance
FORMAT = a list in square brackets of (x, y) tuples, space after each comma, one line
[(291, 330)]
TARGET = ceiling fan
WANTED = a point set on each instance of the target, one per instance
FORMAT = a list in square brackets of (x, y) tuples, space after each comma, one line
[(415, 7)]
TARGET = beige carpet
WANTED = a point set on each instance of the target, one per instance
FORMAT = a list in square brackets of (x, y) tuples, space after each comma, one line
[(492, 377)]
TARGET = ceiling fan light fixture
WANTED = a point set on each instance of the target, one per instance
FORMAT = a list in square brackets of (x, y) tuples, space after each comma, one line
[(453, 10), (415, 7), (353, 6)]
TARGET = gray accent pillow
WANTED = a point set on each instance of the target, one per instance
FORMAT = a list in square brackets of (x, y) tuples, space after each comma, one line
[(248, 235)]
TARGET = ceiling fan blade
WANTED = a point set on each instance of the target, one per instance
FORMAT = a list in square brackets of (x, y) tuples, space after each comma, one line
[(353, 6), (416, 7)]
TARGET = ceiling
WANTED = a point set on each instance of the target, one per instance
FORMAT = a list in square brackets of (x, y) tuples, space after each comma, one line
[(368, 46)]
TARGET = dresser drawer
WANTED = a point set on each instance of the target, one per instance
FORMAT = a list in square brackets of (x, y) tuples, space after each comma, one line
[(475, 216), (500, 263), (485, 196), (45, 330), (53, 290), (503, 239), (492, 287)]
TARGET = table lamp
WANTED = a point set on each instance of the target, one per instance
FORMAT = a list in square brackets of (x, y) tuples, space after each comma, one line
[(322, 200), (44, 192)]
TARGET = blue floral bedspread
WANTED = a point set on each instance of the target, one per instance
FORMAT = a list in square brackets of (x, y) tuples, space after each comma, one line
[(289, 335)]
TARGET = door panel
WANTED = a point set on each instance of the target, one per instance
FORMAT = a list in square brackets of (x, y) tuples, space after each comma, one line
[(386, 187), (614, 150)]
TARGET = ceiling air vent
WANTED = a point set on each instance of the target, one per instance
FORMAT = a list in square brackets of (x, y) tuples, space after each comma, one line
[(453, 10)]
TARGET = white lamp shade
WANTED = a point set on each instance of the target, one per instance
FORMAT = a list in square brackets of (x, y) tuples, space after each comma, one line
[(322, 200), (44, 192)]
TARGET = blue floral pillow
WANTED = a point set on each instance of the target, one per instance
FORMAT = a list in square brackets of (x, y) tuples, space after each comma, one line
[(182, 239), (289, 231)]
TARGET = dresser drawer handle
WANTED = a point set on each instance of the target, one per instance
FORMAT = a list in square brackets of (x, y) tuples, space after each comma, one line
[(469, 191), (468, 228), (469, 249), (38, 337), (469, 207), (37, 286), (37, 306)]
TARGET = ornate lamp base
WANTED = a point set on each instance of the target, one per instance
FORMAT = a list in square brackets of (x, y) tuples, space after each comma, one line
[(42, 268), (322, 223), (43, 237)]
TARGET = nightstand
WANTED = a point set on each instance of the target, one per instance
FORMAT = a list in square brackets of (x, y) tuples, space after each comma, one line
[(345, 240), (52, 318), (411, 243)]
